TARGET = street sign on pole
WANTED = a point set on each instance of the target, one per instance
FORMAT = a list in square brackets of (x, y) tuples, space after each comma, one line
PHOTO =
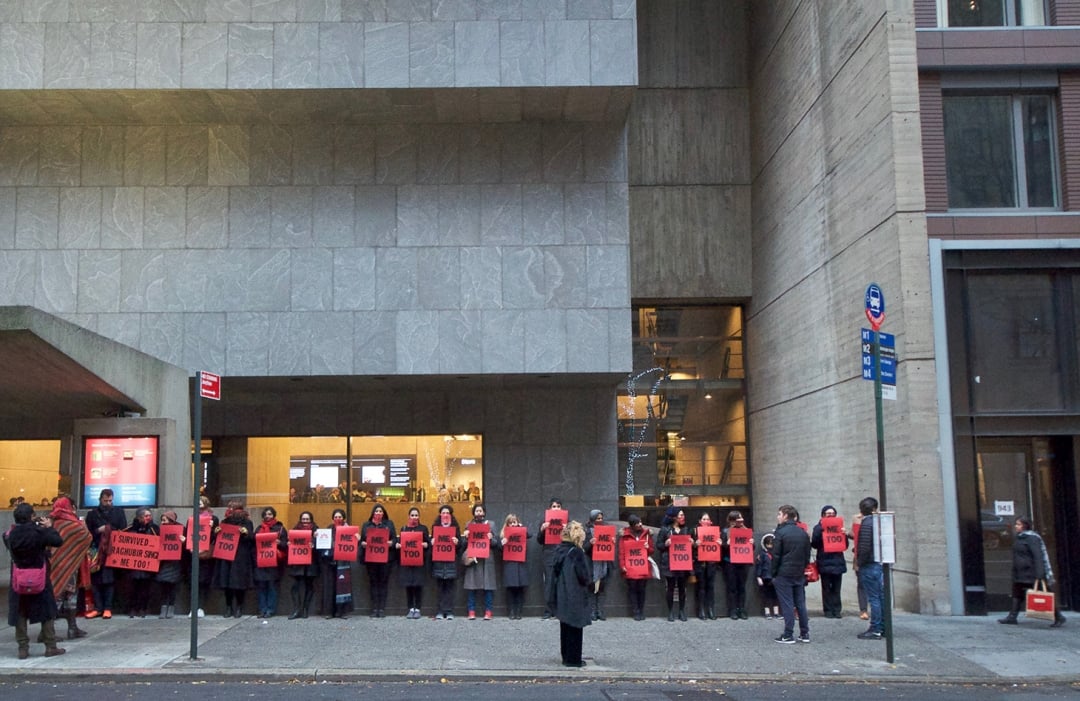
[(875, 306), (887, 360), (209, 385)]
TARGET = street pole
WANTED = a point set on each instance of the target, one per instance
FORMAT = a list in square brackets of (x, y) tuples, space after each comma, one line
[(196, 471), (886, 571)]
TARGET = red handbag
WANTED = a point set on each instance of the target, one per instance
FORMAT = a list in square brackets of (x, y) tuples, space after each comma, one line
[(811, 573)]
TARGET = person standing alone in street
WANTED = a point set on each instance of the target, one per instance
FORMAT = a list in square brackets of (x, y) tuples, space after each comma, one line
[(791, 555)]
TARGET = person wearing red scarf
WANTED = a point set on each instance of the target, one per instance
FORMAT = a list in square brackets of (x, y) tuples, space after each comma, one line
[(268, 578), (66, 560)]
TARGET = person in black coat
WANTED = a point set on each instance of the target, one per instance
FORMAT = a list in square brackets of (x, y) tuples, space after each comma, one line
[(548, 551), (412, 577), (831, 568), (573, 578), (101, 522), (304, 576), (27, 541), (791, 555), (378, 572), (1030, 564), (236, 576), (140, 581)]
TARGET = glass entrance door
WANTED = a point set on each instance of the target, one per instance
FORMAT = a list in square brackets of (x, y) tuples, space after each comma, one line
[(1015, 477)]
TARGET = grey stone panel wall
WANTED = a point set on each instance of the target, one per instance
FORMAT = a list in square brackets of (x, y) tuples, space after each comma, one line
[(836, 206), (290, 44), (270, 250)]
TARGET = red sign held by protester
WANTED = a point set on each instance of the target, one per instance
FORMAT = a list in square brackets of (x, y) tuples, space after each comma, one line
[(443, 548), (346, 543), (301, 542), (516, 544), (412, 549), (680, 553), (833, 537), (603, 544), (227, 539), (636, 559), (134, 551), (171, 541), (206, 522), (708, 549), (556, 519), (266, 549), (741, 546), (479, 545), (377, 549)]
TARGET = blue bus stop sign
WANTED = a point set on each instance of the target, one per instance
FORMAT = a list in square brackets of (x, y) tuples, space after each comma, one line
[(875, 306)]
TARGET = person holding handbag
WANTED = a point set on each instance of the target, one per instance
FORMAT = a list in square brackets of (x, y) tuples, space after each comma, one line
[(1031, 563), (27, 541)]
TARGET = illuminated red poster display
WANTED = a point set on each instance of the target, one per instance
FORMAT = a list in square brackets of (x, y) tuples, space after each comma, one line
[(125, 464)]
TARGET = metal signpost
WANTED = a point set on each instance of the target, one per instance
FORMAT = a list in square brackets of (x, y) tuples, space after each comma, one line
[(875, 314), (207, 386)]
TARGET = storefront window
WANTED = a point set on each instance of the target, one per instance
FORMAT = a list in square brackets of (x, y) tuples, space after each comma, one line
[(321, 473)]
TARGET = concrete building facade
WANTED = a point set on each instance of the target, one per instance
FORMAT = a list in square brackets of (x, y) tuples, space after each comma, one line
[(394, 218)]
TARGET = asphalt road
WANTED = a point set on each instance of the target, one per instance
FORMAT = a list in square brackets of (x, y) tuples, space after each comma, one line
[(538, 690)]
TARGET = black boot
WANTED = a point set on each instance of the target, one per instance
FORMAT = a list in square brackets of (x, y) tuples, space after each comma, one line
[(670, 614), (308, 596), (73, 631), (682, 612), (600, 608), (701, 611), (1013, 613)]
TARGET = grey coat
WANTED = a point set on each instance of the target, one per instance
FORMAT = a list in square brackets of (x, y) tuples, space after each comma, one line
[(481, 574), (572, 579)]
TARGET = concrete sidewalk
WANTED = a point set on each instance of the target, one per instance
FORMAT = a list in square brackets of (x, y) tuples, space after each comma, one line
[(942, 649)]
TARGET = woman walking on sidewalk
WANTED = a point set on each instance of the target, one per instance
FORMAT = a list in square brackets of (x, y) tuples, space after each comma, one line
[(1031, 563)]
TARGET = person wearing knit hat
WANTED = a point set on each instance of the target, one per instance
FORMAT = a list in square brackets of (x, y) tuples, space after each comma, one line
[(831, 567), (169, 572), (601, 570)]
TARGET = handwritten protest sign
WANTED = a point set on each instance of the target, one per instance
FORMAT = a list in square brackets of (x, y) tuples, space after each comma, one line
[(134, 551)]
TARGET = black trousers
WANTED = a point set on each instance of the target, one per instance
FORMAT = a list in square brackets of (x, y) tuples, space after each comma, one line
[(570, 643), (636, 589), (830, 594)]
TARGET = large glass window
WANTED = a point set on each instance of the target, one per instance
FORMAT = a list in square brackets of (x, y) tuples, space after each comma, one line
[(682, 412), (999, 151), (995, 13)]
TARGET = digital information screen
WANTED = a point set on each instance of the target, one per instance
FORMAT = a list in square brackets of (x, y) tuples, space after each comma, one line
[(128, 465)]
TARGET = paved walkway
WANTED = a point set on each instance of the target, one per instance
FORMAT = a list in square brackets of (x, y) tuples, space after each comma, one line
[(945, 649)]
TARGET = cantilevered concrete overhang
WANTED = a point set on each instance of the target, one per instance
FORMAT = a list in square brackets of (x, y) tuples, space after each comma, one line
[(55, 373)]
